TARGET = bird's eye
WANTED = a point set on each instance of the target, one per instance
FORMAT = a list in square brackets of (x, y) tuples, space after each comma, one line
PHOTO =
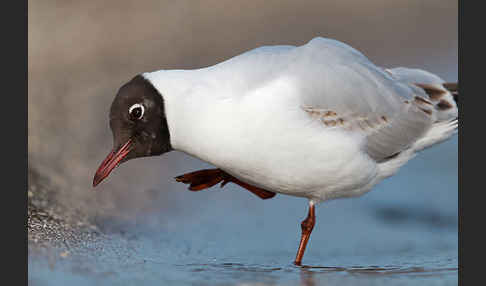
[(136, 111)]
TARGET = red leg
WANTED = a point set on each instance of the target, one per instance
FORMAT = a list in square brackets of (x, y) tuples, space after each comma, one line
[(204, 179), (307, 225)]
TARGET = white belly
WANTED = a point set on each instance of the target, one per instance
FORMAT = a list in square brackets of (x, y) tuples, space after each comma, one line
[(318, 171), (298, 158)]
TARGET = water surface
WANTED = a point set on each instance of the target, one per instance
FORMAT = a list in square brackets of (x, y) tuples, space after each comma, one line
[(404, 232)]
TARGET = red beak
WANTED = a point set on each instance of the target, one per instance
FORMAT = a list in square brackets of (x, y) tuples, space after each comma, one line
[(111, 162)]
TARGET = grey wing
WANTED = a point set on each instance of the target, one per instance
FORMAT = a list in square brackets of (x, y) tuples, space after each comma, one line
[(342, 89)]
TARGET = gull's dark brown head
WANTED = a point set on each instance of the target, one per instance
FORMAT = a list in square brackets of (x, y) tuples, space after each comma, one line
[(138, 123)]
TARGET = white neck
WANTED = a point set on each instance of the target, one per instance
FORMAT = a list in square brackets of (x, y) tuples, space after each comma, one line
[(193, 110)]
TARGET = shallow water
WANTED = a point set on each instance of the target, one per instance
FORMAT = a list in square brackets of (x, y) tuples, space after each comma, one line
[(404, 232)]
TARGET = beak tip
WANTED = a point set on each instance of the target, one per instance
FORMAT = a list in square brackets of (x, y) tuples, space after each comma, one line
[(111, 161), (96, 181)]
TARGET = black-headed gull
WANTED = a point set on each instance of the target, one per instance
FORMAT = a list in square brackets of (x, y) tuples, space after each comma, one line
[(318, 121)]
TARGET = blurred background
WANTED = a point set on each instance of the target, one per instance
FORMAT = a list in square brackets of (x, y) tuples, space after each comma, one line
[(81, 52)]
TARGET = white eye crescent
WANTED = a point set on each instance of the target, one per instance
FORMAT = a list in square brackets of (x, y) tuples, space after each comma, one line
[(136, 111)]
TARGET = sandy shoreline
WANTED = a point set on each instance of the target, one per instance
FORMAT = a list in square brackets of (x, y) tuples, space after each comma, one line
[(49, 223)]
